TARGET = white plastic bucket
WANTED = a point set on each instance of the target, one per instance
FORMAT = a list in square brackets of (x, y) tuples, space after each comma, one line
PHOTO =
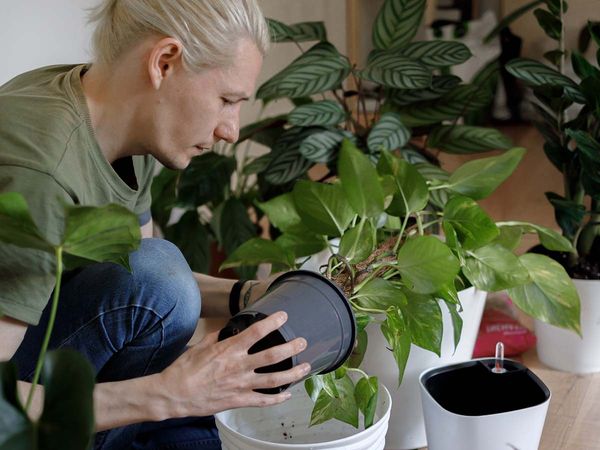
[(563, 349), (407, 425), (285, 426)]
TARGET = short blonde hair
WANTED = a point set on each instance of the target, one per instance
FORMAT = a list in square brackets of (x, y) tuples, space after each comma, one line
[(209, 30)]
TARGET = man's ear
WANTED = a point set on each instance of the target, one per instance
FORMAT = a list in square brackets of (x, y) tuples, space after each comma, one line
[(165, 57)]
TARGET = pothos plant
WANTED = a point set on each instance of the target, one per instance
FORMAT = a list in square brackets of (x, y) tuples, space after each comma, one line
[(90, 235), (395, 272), (404, 97), (568, 116)]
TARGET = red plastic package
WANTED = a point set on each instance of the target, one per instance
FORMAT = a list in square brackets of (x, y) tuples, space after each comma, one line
[(498, 324)]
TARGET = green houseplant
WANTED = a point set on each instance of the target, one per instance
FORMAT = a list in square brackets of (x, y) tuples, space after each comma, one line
[(91, 234), (568, 117), (394, 272)]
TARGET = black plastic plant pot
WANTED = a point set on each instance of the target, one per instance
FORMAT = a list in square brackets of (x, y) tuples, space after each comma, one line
[(317, 311), (471, 407)]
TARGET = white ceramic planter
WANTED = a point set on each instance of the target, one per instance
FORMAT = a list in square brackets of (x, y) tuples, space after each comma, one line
[(564, 350), (285, 426), (407, 429), (468, 407)]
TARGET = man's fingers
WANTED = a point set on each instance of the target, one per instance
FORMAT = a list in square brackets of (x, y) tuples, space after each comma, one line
[(276, 379), (260, 329), (278, 353)]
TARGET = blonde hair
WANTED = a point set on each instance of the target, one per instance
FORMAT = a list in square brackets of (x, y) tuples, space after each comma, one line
[(209, 30)]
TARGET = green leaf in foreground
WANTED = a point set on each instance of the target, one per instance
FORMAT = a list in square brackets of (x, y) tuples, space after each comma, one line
[(256, 251), (548, 237), (551, 295), (17, 226), (474, 228), (365, 393), (398, 337), (343, 408), (16, 430), (493, 268)]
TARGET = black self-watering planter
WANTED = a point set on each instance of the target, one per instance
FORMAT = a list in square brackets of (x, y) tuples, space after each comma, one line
[(317, 311)]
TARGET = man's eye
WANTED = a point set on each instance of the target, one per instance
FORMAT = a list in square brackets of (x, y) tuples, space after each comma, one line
[(227, 101)]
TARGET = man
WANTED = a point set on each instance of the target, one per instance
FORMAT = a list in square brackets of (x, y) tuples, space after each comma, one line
[(167, 82)]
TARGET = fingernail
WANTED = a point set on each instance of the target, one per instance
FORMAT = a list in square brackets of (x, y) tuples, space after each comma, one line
[(305, 368), (302, 344), (282, 317)]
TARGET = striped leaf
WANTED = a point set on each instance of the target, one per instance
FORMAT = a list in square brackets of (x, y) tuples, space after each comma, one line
[(439, 86), (461, 100), (435, 174), (287, 162), (395, 71), (437, 53), (299, 32), (323, 147), (388, 134), (464, 139), (321, 68), (397, 23), (538, 74), (326, 112)]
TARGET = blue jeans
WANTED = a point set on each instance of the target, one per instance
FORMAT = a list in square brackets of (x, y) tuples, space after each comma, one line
[(129, 325)]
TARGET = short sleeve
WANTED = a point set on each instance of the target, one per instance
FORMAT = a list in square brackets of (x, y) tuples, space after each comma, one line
[(27, 276)]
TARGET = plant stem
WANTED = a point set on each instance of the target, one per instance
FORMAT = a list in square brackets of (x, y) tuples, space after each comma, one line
[(420, 224), (367, 310), (42, 355)]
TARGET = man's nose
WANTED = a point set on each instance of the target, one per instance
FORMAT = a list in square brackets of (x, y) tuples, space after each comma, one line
[(228, 131)]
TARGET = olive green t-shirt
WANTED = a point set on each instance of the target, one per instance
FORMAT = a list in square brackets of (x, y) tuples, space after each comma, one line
[(49, 154)]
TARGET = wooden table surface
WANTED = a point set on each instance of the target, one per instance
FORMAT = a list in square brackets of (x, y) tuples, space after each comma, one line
[(573, 420)]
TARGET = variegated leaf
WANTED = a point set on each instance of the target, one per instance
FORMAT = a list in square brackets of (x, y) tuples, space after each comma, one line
[(393, 70), (388, 134), (287, 162), (437, 53), (461, 100), (326, 112), (440, 85), (299, 32), (538, 74), (322, 147), (321, 68), (397, 23), (464, 139)]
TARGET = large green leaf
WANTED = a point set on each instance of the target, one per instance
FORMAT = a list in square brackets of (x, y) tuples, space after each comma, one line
[(107, 233), (465, 139), (360, 181), (478, 179), (380, 294), (365, 393), (323, 146), (67, 420), (299, 32), (412, 192), (256, 251), (358, 243), (392, 70), (493, 268), (548, 237), (281, 211), (232, 225), (538, 74), (589, 149), (206, 179), (323, 207), (193, 240), (474, 228), (343, 407), (389, 133), (568, 214), (321, 68), (426, 264), (397, 23), (551, 24), (287, 163), (17, 226), (437, 53), (440, 85), (300, 241), (459, 101), (16, 430), (423, 317), (551, 295), (398, 336), (323, 113)]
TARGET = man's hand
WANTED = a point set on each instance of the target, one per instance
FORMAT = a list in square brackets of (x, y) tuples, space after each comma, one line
[(214, 376)]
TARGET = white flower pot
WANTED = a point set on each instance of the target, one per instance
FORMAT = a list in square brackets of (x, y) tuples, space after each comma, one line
[(408, 425), (565, 350), (285, 426), (469, 407)]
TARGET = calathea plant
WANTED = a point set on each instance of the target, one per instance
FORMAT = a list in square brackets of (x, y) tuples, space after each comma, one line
[(404, 97), (569, 119), (394, 271), (91, 235)]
